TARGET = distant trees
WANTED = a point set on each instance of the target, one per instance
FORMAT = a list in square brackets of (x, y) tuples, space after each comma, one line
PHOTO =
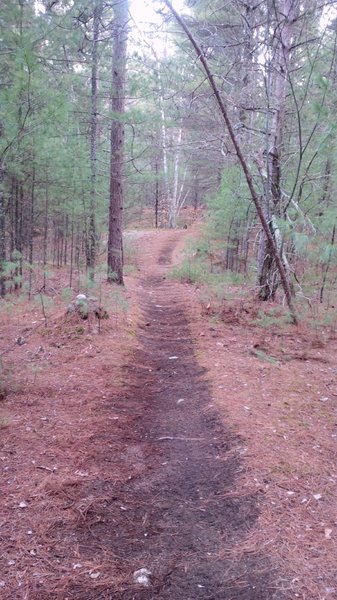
[(265, 62), (54, 137), (78, 141)]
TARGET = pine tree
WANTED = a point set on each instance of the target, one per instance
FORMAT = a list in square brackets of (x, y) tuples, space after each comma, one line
[(115, 241)]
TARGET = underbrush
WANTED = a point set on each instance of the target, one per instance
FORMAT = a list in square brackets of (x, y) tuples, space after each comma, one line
[(203, 266), (231, 296), (189, 271), (273, 315), (203, 262)]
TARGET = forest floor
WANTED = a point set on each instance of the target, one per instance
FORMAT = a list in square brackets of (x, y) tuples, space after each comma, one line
[(198, 446)]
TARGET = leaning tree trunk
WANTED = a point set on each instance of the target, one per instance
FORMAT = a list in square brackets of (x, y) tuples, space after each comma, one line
[(268, 276), (115, 240), (243, 162)]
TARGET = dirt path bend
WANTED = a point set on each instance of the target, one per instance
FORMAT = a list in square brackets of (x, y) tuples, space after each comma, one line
[(180, 515)]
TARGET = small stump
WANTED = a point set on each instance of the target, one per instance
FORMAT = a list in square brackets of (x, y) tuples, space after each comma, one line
[(84, 307)]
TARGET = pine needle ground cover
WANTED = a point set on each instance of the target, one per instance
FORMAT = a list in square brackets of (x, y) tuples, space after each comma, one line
[(81, 451)]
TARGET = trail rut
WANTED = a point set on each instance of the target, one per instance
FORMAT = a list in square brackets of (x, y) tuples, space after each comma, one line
[(179, 515)]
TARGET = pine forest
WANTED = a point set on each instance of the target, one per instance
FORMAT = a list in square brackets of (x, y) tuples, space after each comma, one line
[(168, 295), (274, 76)]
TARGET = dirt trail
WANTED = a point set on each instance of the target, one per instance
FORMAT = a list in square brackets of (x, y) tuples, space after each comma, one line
[(178, 515), (110, 469)]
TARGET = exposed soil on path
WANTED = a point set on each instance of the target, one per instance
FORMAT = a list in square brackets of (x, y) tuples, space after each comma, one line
[(181, 514)]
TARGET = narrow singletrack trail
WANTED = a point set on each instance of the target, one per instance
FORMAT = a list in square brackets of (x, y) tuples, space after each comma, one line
[(179, 515)]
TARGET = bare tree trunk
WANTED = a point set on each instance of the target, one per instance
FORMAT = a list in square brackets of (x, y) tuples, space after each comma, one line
[(246, 72), (326, 196), (229, 249), (163, 132), (71, 252), (91, 250), (115, 240), (286, 16), (2, 235), (156, 204), (31, 235), (327, 266), (195, 191), (17, 250), (174, 200), (65, 255), (243, 162), (45, 235)]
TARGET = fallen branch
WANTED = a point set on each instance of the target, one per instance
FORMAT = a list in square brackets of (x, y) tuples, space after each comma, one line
[(180, 439), (46, 468)]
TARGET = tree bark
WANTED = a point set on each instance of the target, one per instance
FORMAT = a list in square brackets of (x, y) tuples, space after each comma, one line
[(163, 131), (115, 240), (156, 202), (327, 266), (31, 234), (286, 16), (91, 250), (2, 235), (173, 207), (45, 234)]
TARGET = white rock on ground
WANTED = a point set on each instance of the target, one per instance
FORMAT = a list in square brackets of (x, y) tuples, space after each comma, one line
[(142, 577)]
